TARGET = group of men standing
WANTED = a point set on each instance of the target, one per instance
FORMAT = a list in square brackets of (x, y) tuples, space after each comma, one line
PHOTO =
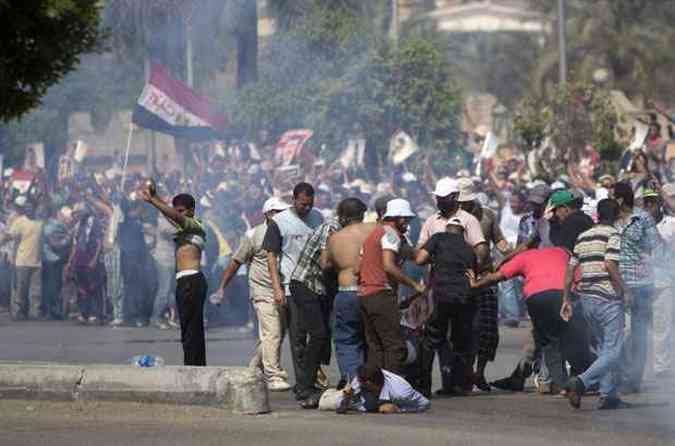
[(579, 277)]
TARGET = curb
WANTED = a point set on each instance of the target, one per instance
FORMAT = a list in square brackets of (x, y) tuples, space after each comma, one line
[(237, 389)]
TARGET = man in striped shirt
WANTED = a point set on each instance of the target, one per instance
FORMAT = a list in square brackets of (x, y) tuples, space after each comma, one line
[(603, 295)]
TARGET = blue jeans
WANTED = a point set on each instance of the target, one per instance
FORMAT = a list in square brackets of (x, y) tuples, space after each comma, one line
[(637, 343), (348, 333), (510, 292), (607, 320)]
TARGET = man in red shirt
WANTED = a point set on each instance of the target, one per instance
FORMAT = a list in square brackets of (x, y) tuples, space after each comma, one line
[(543, 271), (379, 275)]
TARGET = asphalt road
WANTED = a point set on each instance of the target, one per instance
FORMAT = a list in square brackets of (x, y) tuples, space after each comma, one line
[(497, 418)]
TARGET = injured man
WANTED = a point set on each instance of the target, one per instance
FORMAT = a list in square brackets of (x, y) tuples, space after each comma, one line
[(377, 391)]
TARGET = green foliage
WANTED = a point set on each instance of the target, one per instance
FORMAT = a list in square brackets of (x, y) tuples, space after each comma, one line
[(333, 73), (577, 114), (41, 42)]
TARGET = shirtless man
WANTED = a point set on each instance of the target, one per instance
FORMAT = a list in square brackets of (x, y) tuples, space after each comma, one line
[(343, 252), (191, 284)]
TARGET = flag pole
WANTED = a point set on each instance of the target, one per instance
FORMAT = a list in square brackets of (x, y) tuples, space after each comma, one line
[(126, 156)]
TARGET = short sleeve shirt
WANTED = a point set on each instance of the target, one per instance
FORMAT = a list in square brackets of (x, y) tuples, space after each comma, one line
[(593, 248), (451, 257), (543, 269), (28, 233), (251, 253), (473, 234)]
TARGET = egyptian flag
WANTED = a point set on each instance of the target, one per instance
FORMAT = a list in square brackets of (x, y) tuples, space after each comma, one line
[(169, 106)]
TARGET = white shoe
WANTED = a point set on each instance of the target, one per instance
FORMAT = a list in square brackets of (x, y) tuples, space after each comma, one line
[(278, 385)]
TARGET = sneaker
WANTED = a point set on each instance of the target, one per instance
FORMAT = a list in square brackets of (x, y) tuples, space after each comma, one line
[(609, 403), (278, 385), (575, 390), (509, 384), (93, 320), (161, 325), (173, 324), (115, 323)]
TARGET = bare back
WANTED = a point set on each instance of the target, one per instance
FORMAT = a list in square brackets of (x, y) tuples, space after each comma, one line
[(344, 248)]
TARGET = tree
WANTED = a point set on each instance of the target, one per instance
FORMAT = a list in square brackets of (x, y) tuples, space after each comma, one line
[(630, 39), (42, 40), (332, 71)]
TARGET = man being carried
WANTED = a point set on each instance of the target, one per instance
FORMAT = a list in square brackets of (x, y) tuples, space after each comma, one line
[(343, 255), (191, 284)]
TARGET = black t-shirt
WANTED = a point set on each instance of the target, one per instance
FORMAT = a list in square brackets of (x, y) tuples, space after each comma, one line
[(273, 239), (565, 234), (451, 256)]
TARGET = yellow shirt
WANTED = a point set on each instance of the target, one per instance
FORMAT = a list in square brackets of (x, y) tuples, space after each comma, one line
[(28, 233)]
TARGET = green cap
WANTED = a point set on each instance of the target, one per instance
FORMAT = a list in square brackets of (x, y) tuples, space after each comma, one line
[(649, 193), (561, 198)]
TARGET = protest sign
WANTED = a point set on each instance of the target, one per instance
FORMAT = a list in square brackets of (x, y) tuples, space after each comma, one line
[(290, 145), (401, 147)]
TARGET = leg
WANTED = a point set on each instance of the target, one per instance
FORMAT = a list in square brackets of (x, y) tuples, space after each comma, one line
[(544, 310), (488, 331), (271, 334), (641, 317), (164, 278), (190, 297), (375, 349), (461, 337), (437, 335), (114, 283), (348, 336), (35, 291), (664, 335), (508, 302), (20, 292), (297, 335), (385, 319), (608, 319)]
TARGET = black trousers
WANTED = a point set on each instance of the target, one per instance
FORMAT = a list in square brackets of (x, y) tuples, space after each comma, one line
[(52, 285), (455, 359), (309, 334), (190, 297)]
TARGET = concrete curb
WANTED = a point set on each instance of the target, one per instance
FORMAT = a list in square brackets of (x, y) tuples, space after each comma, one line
[(233, 388)]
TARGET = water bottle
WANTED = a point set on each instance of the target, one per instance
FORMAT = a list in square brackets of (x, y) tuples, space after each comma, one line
[(145, 361)]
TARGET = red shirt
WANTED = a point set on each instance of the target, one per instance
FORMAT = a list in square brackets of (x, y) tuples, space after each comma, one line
[(372, 277), (543, 269)]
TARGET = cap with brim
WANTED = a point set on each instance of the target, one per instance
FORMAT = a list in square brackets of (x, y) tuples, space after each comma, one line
[(455, 222), (605, 177), (561, 198), (399, 208), (446, 186), (649, 193), (274, 204)]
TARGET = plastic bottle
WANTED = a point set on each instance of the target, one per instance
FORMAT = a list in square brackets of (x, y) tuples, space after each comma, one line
[(146, 361)]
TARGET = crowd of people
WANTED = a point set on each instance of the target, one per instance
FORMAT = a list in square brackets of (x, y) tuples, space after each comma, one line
[(388, 271)]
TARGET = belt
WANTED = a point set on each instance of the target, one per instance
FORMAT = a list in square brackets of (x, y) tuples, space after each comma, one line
[(348, 289), (186, 273)]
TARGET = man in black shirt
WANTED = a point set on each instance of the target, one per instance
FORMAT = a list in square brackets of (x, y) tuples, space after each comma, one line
[(450, 257)]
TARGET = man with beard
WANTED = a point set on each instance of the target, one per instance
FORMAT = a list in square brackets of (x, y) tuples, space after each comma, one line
[(379, 275)]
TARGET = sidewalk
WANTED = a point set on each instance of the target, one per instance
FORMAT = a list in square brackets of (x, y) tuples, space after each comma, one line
[(233, 388)]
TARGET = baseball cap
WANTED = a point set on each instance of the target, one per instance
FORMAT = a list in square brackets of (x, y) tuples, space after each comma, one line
[(454, 221), (398, 207), (274, 204), (539, 194), (561, 198), (466, 189), (446, 186)]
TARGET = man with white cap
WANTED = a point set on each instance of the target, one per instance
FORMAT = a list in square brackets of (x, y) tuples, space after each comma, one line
[(447, 192), (270, 314), (379, 275)]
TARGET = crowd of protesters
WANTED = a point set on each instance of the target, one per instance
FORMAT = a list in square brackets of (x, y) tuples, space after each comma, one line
[(388, 270)]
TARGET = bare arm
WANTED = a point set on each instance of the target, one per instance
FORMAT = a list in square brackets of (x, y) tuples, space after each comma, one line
[(273, 267), (325, 260), (228, 274), (99, 204), (393, 271), (422, 257), (482, 252), (488, 280), (169, 212), (617, 281)]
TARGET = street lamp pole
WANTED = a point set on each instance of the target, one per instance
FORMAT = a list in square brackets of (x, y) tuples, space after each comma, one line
[(562, 41)]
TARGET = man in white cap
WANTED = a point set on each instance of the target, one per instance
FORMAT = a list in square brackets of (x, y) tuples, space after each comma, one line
[(379, 276), (271, 315)]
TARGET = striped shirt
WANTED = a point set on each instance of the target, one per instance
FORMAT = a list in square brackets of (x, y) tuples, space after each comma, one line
[(593, 248)]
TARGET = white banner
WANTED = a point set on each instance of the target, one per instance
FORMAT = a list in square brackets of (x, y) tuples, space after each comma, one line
[(160, 104), (401, 147), (354, 154)]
